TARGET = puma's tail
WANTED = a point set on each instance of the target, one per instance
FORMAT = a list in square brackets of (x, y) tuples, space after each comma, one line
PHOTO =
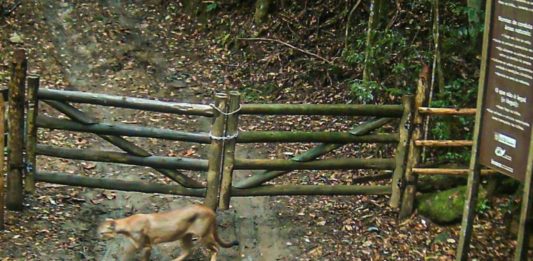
[(225, 244)]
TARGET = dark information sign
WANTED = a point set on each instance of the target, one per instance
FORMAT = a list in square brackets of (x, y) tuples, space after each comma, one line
[(508, 95)]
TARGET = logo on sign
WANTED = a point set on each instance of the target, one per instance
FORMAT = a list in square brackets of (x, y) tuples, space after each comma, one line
[(501, 152)]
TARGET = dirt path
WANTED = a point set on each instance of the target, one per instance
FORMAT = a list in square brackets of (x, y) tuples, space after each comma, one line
[(109, 48)]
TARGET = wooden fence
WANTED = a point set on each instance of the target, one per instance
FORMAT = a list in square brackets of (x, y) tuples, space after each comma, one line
[(221, 162), (421, 111), (222, 139)]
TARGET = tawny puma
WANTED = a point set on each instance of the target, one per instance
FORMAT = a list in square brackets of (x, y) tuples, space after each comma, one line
[(145, 230)]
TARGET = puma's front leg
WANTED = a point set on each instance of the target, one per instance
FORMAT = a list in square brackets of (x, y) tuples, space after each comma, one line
[(137, 241), (146, 252), (129, 251)]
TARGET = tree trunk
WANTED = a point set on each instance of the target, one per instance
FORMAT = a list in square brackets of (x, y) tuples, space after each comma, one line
[(376, 20)]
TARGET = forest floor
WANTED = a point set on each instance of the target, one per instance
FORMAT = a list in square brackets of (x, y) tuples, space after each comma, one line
[(144, 50)]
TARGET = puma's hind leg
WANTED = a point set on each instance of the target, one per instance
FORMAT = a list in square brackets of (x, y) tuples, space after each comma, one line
[(212, 245), (214, 252), (186, 247)]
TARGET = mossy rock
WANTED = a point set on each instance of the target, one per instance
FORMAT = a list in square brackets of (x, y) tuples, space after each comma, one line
[(446, 207)]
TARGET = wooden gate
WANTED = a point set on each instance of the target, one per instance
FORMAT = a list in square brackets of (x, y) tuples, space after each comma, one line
[(220, 162)]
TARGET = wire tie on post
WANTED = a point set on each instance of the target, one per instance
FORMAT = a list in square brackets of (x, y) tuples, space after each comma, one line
[(224, 138), (225, 113)]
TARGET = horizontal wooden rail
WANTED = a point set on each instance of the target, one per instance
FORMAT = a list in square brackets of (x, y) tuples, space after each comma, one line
[(121, 130), (269, 190), (122, 158), (122, 143), (125, 102), (293, 190), (303, 136), (115, 184), (323, 109), (320, 150), (442, 171), (447, 111), (443, 143), (328, 164)]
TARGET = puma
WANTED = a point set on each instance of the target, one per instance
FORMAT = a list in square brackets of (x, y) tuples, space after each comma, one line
[(145, 230)]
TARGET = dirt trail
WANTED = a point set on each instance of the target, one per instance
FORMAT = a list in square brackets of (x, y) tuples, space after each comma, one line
[(92, 63)]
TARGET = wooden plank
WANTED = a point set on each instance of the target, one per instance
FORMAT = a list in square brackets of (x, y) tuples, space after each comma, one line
[(327, 164), (293, 190), (525, 211), (117, 129), (474, 175), (307, 136), (125, 102), (405, 129), (116, 184), (31, 134), (443, 143), (216, 148), (122, 158), (447, 111), (229, 150), (123, 144), (71, 112), (323, 109), (15, 160)]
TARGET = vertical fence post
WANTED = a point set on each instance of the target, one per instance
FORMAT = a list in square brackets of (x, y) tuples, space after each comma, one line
[(215, 151), (409, 192), (2, 155), (405, 130), (15, 164), (229, 149), (522, 243), (31, 133)]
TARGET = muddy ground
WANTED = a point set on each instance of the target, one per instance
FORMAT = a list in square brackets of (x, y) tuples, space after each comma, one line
[(139, 48)]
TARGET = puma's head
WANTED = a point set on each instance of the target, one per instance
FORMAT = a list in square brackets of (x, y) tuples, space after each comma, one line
[(107, 229)]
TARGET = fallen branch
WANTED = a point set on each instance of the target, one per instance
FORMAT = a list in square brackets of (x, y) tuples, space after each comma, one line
[(288, 45)]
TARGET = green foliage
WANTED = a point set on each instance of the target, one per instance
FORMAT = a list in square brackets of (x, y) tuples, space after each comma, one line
[(256, 94), (3, 73), (364, 91), (211, 7), (225, 39), (441, 130), (483, 206), (395, 62), (354, 56), (459, 92)]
